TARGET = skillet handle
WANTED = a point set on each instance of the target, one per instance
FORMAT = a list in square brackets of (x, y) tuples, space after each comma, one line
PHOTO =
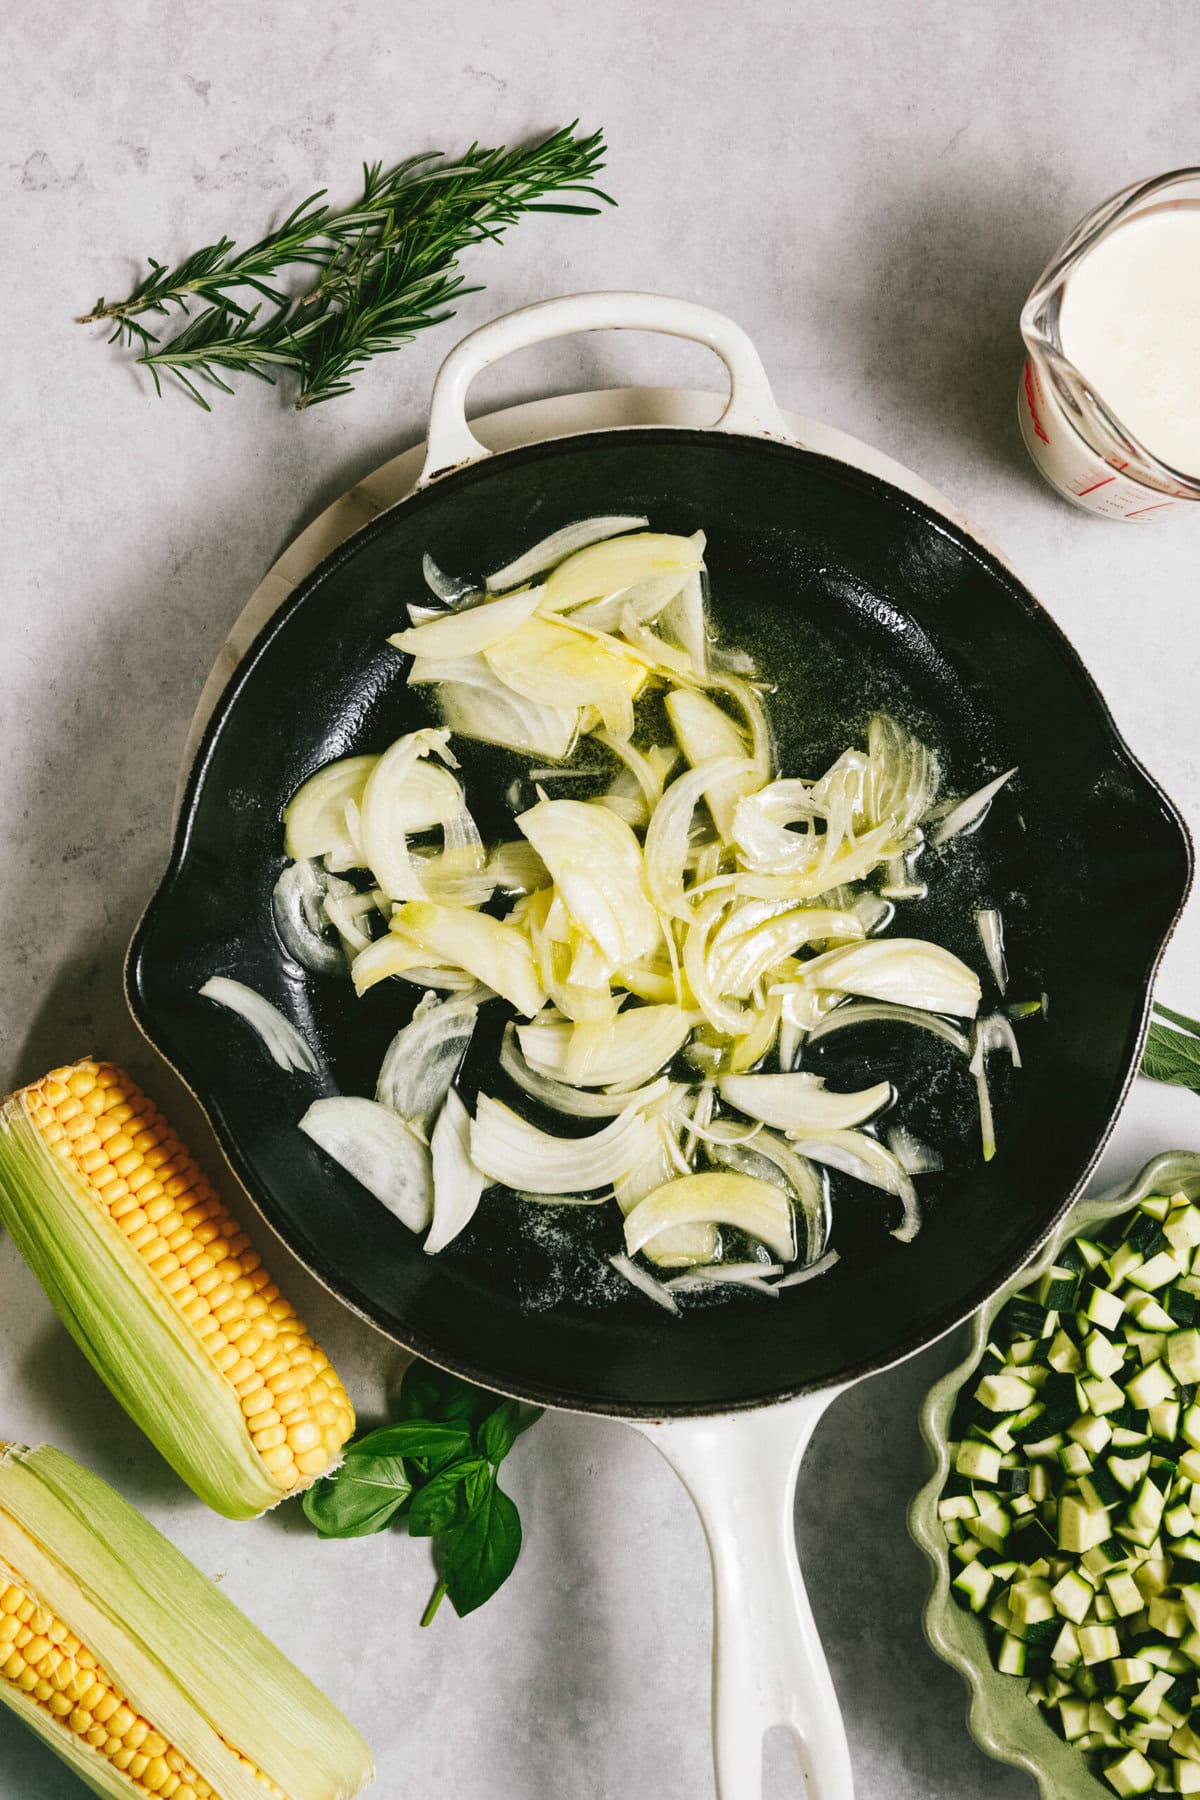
[(751, 407), (768, 1664)]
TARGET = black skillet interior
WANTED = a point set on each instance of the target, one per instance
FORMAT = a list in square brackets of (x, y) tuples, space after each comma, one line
[(851, 596)]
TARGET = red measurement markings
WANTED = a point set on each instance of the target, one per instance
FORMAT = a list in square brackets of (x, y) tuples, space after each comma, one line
[(1096, 484), (1033, 411), (1157, 507)]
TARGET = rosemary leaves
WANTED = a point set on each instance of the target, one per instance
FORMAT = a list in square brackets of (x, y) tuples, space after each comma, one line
[(379, 271)]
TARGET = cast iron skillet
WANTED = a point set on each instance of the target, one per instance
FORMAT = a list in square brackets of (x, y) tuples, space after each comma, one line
[(1088, 857), (852, 595)]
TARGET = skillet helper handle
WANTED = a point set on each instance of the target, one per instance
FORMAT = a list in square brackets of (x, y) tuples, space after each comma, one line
[(750, 409), (769, 1667)]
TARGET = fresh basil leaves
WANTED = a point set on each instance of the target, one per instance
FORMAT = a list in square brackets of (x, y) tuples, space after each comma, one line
[(435, 1466), (1173, 1056)]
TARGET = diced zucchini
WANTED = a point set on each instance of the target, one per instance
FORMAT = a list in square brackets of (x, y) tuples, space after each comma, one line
[(1080, 1526), (1103, 1357), (979, 1462), (1010, 1658), (1186, 1776), (1073, 1597), (1121, 1264), (1092, 1433), (1063, 1354), (1183, 1355), (991, 1527), (1130, 1774), (1168, 1616), (1005, 1393), (1132, 1671), (1106, 1397), (1129, 1471), (957, 1506), (1104, 1308), (1065, 1652), (1178, 1521), (1073, 1716), (1150, 1385), (1124, 1593), (974, 1585), (1156, 1273), (1146, 1703), (1186, 1742), (1164, 1420), (1098, 1643), (1147, 1311), (1182, 1228), (1058, 1288)]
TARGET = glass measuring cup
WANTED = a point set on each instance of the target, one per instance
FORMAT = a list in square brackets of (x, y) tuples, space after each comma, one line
[(1077, 442)]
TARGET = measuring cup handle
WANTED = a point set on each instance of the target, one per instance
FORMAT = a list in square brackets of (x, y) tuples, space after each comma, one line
[(750, 409), (768, 1664)]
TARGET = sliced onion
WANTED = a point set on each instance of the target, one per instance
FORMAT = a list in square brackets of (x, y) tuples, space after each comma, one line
[(511, 1150), (797, 1101), (597, 868), (656, 1161), (346, 912), (476, 704), (967, 815), (772, 1158), (628, 1051), (314, 818), (457, 1183), (914, 1157), (601, 1199), (753, 1275), (683, 619), (991, 1034), (424, 1057), (904, 971), (557, 664), (552, 550), (883, 1012), (991, 936), (575, 1102), (902, 777), (719, 1198), (283, 1042), (646, 1284), (604, 568), (738, 963), (451, 590), (491, 951), (809, 1273), (379, 1150), (471, 628), (406, 792), (297, 901), (863, 1157), (666, 846)]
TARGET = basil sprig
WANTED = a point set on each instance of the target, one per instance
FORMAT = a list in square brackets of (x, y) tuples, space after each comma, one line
[(435, 1467)]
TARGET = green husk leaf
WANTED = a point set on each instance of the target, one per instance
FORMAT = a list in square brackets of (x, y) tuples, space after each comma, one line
[(172, 1642), (125, 1325)]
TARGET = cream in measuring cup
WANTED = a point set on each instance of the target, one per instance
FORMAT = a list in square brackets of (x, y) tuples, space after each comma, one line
[(1110, 393)]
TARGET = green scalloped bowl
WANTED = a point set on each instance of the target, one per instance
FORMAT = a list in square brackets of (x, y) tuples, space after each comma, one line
[(1002, 1719)]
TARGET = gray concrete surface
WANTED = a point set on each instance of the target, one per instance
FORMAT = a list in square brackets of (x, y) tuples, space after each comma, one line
[(871, 190)]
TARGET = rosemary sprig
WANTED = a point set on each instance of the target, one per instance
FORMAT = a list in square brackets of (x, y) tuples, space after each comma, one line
[(388, 269)]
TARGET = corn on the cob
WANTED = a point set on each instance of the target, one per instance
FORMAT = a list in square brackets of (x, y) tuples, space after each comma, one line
[(163, 1293), (135, 1668)]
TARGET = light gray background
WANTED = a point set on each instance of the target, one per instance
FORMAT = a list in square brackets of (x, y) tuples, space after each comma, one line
[(871, 190)]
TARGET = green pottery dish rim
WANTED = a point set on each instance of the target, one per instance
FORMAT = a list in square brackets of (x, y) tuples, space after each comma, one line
[(1001, 1718)]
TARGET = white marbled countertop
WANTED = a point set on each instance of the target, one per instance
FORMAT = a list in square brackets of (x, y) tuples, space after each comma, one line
[(871, 191)]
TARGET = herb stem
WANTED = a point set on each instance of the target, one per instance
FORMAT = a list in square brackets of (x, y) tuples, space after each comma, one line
[(435, 1600)]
